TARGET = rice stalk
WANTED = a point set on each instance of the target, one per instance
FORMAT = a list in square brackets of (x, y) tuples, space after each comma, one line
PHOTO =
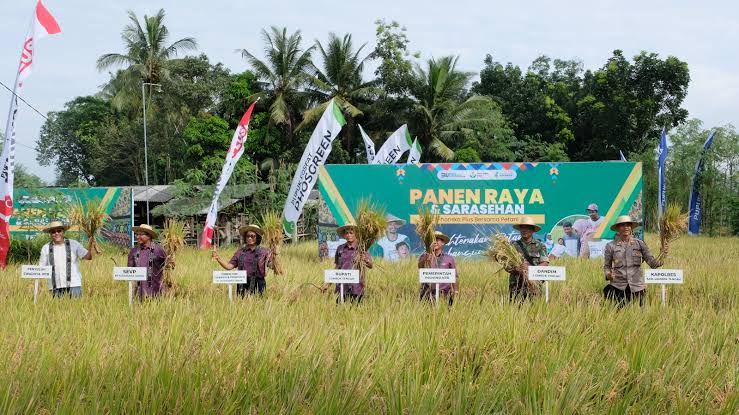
[(371, 222), (89, 217), (502, 251), (425, 228), (672, 225), (273, 238), (173, 240)]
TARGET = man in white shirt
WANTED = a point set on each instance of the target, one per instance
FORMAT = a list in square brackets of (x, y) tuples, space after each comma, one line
[(586, 228), (63, 255), (392, 238)]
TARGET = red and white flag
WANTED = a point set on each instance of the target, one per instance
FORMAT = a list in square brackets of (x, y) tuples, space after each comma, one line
[(234, 154), (43, 24)]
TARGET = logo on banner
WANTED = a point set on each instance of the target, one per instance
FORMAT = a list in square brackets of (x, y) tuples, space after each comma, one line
[(476, 175)]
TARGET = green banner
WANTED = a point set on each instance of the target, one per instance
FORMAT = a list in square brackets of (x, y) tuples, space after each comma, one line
[(475, 201), (34, 208)]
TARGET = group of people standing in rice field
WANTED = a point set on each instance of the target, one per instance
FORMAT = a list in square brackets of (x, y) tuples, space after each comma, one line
[(621, 265)]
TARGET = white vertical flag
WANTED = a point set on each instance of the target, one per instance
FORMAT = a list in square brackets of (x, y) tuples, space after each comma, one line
[(42, 25), (414, 156), (369, 145), (232, 157), (394, 147), (314, 156)]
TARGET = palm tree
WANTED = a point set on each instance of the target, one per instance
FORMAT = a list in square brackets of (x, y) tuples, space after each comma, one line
[(147, 55), (283, 74), (340, 80), (444, 111)]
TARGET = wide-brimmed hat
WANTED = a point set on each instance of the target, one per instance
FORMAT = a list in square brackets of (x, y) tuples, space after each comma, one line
[(147, 230), (527, 221), (340, 231), (441, 235), (55, 225), (253, 228), (392, 218), (625, 219)]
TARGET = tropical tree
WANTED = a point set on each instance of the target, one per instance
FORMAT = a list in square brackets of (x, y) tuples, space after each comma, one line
[(443, 110), (282, 75), (340, 79), (147, 54)]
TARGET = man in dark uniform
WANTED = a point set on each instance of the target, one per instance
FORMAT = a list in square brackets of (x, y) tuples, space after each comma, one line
[(534, 253)]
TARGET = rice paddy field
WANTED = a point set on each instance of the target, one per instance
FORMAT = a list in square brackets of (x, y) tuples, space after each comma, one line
[(296, 351)]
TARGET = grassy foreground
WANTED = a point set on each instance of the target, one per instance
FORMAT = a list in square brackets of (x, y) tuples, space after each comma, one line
[(296, 351)]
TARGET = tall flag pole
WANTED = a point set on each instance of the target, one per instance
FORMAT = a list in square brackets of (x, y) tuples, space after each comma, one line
[(369, 145), (696, 201), (395, 146), (315, 155), (662, 153), (42, 24), (414, 156), (232, 157)]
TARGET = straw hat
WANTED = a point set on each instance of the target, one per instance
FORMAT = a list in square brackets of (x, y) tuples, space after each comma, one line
[(344, 228), (147, 230), (55, 225), (625, 219), (393, 218), (253, 228), (526, 220), (441, 236)]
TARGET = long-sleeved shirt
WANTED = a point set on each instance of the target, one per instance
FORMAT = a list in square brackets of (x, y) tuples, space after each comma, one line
[(440, 261), (344, 259), (152, 258), (623, 260)]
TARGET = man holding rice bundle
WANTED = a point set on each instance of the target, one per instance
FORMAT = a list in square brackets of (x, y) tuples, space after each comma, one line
[(150, 255), (252, 258), (534, 253), (345, 258), (438, 259), (63, 256), (622, 260)]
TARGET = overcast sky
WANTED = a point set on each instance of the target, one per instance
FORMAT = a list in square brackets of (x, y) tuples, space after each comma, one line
[(704, 34)]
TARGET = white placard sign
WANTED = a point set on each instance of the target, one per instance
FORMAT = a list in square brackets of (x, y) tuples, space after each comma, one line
[(341, 276), (36, 272), (229, 277), (129, 273), (437, 275), (547, 273), (597, 247), (663, 276)]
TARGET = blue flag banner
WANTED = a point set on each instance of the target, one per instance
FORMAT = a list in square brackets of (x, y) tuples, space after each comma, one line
[(621, 153), (662, 152), (696, 203)]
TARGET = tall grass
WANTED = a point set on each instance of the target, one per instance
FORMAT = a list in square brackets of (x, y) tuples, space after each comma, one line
[(295, 351)]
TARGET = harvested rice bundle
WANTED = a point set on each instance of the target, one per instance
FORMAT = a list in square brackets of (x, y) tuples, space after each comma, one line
[(371, 223), (173, 239), (502, 251), (90, 217), (273, 237), (672, 225), (425, 228)]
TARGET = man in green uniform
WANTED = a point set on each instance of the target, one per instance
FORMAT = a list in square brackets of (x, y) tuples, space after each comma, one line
[(534, 253)]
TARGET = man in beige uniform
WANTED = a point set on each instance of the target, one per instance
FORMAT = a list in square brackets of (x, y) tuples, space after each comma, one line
[(622, 263)]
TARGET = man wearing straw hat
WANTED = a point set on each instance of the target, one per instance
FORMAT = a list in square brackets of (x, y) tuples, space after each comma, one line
[(63, 255), (252, 258), (439, 260), (150, 255), (392, 238), (622, 260), (534, 253), (346, 256)]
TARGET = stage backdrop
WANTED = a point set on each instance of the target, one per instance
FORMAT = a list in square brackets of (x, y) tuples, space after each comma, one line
[(35, 208), (476, 200)]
